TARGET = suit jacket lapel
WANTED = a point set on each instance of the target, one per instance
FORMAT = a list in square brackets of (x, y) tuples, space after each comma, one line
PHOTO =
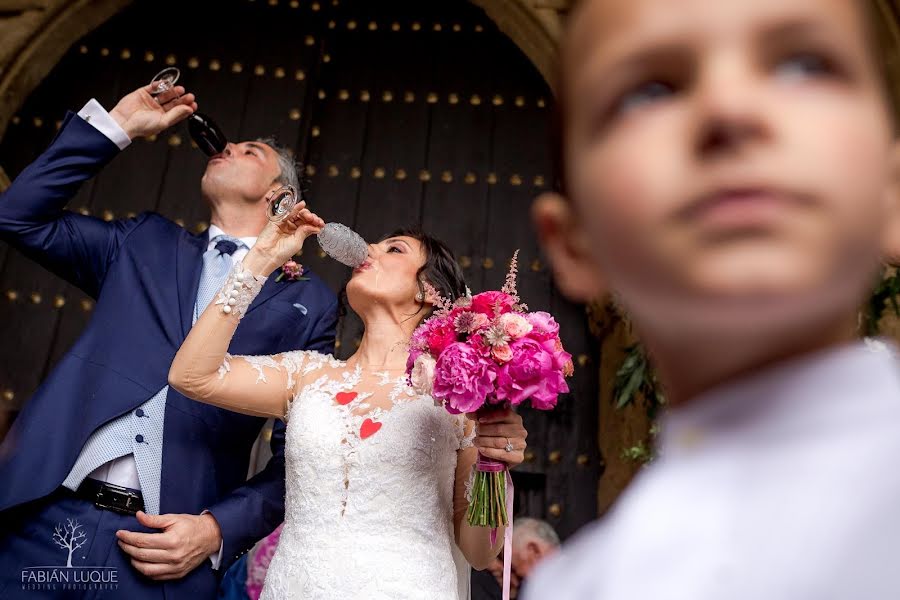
[(188, 267), (271, 289)]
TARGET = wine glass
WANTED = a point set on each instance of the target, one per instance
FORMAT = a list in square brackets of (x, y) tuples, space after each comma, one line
[(164, 81), (281, 202)]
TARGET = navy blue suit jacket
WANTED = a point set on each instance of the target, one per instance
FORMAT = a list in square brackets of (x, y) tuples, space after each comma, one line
[(144, 274)]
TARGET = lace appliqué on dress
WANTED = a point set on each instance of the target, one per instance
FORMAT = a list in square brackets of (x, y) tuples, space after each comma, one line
[(369, 502)]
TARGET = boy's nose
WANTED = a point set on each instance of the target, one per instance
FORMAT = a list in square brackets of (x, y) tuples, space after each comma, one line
[(729, 112)]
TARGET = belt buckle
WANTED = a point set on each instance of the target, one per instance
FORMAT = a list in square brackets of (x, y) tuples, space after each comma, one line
[(118, 499)]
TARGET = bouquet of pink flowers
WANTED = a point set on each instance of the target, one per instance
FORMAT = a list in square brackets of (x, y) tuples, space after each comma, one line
[(481, 353)]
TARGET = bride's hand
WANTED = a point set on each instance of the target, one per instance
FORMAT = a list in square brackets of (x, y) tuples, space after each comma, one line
[(495, 430), (281, 240)]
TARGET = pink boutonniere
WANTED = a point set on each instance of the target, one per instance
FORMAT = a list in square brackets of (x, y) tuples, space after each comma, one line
[(292, 271)]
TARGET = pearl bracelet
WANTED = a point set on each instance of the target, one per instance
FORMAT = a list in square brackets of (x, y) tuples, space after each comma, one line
[(239, 290)]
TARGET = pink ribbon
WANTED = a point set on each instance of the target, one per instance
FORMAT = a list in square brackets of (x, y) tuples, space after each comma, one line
[(489, 465), (507, 538)]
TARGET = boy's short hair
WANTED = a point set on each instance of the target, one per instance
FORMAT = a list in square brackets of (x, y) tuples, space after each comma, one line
[(884, 30), (885, 33)]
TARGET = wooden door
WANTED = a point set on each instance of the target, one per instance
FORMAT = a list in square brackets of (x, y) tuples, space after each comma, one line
[(403, 112)]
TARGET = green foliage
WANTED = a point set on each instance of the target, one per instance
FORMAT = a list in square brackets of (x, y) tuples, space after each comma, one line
[(638, 453), (634, 377), (884, 295)]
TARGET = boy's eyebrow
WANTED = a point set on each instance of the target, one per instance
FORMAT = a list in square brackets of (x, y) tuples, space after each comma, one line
[(797, 28)]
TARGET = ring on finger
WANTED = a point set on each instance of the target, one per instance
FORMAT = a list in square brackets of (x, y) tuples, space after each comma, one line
[(509, 446)]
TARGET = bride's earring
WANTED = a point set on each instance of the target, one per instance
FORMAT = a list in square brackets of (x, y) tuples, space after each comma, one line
[(420, 297)]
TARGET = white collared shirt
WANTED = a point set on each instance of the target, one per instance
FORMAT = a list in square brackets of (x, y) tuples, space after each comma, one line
[(241, 252), (783, 486)]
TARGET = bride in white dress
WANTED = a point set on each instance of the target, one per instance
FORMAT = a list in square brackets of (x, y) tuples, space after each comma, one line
[(375, 474)]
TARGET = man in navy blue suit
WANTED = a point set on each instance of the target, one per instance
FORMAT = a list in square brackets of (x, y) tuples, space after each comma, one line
[(112, 484)]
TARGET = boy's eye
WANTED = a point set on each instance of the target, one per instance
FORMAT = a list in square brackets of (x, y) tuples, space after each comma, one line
[(642, 95), (803, 66)]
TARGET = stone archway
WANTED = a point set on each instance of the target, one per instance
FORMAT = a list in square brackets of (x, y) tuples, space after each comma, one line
[(34, 35)]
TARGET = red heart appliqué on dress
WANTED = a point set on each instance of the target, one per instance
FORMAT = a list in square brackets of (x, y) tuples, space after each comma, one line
[(345, 398), (369, 428)]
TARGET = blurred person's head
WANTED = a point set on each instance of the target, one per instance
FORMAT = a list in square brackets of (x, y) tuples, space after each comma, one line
[(729, 171), (533, 541)]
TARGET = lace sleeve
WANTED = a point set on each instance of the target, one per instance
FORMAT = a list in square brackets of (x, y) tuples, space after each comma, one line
[(203, 369), (465, 431)]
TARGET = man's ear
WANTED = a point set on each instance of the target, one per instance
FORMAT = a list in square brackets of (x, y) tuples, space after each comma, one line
[(567, 246), (890, 246)]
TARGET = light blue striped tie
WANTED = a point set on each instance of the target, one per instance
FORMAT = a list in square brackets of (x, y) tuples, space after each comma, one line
[(140, 432)]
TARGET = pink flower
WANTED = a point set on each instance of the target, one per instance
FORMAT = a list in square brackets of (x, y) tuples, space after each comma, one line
[(414, 353), (440, 337), (502, 353), (292, 270), (492, 303), (469, 322), (515, 325), (463, 378), (545, 326), (422, 376), (533, 373)]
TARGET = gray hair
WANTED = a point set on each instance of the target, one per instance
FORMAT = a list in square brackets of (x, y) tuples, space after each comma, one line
[(290, 174), (527, 528)]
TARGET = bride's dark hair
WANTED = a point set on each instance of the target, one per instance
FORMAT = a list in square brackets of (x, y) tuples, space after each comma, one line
[(441, 269)]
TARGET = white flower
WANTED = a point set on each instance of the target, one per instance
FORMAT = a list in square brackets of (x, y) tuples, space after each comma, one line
[(515, 326), (422, 376), (496, 335)]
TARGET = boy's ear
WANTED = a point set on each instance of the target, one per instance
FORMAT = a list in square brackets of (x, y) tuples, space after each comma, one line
[(891, 242), (567, 246)]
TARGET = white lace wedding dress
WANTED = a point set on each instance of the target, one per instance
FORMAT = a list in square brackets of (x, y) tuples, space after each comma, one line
[(369, 500)]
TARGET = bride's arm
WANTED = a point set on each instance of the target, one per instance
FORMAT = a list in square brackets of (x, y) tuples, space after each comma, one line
[(202, 370), (494, 433)]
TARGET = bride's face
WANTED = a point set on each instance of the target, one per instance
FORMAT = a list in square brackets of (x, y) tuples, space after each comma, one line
[(388, 277)]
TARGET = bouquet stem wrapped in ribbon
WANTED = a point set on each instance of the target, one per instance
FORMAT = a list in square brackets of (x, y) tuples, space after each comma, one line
[(487, 507), (482, 353)]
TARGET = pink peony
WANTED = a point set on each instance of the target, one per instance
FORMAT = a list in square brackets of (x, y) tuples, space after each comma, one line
[(502, 353), (516, 326), (562, 359), (422, 375), (441, 337), (414, 353), (492, 303), (433, 335), (545, 326), (463, 378), (533, 373)]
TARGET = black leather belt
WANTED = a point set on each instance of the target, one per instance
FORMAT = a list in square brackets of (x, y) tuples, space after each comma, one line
[(111, 497)]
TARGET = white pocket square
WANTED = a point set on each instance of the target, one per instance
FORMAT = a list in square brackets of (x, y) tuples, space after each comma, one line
[(300, 307)]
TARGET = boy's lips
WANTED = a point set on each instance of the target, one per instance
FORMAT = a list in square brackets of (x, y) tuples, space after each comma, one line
[(741, 207)]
